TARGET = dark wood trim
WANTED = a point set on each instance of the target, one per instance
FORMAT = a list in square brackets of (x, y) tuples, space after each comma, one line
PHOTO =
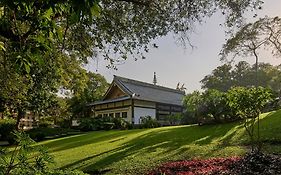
[(146, 107), (132, 105), (113, 108)]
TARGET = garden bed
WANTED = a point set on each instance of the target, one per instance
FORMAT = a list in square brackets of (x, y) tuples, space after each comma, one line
[(254, 163)]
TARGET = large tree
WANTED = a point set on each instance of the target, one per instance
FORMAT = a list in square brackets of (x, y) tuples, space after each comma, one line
[(243, 74), (96, 86), (30, 28)]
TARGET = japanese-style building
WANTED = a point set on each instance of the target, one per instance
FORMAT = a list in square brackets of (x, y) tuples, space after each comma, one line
[(132, 99)]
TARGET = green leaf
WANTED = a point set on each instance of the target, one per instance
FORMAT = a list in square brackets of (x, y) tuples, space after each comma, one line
[(48, 14), (95, 10), (27, 67), (2, 46)]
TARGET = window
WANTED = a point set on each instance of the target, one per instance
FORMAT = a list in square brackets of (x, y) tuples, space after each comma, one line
[(124, 114), (111, 115), (105, 115), (117, 115)]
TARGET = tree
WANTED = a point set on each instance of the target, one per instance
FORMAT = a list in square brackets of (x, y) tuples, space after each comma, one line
[(264, 33), (220, 79), (247, 103), (243, 74), (192, 103), (96, 86), (124, 27)]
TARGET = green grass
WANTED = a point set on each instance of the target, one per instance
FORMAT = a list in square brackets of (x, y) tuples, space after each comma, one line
[(136, 151)]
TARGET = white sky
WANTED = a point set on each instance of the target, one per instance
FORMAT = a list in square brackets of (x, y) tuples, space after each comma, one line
[(172, 63)]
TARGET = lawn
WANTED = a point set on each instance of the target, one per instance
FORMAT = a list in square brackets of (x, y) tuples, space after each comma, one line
[(139, 150)]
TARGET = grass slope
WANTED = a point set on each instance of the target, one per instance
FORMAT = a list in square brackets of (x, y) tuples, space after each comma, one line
[(136, 151)]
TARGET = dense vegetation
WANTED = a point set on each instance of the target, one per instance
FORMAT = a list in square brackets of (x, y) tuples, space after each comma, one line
[(243, 74)]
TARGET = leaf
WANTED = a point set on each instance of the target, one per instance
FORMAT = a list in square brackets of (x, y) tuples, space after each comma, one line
[(2, 46), (27, 68), (95, 10), (48, 14), (73, 18)]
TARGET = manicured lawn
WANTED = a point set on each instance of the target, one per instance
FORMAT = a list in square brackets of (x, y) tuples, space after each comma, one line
[(136, 151)]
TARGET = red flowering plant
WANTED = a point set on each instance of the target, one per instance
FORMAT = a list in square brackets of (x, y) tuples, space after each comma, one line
[(196, 167)]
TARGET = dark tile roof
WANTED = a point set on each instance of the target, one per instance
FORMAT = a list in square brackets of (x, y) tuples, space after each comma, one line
[(149, 92)]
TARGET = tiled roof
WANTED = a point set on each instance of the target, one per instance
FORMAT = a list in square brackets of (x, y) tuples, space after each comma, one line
[(149, 92)]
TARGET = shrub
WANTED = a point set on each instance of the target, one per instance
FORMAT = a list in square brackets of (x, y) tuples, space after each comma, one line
[(120, 123), (103, 123), (175, 119), (40, 134), (89, 124), (108, 125), (256, 162), (149, 122), (6, 128)]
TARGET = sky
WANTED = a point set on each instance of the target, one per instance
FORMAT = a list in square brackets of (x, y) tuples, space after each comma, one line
[(173, 63)]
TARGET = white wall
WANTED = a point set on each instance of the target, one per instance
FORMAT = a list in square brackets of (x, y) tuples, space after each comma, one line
[(140, 112)]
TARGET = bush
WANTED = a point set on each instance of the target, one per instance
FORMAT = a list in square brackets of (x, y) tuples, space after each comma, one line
[(149, 122), (6, 128), (256, 162), (120, 123), (175, 119), (103, 123), (40, 134), (89, 124)]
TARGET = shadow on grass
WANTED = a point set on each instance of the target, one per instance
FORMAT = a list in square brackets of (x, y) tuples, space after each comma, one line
[(84, 139), (147, 147), (173, 141)]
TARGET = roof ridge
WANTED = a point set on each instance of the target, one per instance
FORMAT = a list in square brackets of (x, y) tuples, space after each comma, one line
[(149, 85)]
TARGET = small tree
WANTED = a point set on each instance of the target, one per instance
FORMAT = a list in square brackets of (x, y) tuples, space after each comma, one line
[(247, 103)]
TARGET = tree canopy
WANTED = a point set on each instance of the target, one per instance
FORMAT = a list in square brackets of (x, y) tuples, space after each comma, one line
[(243, 74), (124, 27)]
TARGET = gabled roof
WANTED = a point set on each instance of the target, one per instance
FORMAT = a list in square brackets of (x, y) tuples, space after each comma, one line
[(146, 91)]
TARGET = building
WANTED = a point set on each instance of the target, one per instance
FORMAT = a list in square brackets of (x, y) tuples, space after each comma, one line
[(132, 99)]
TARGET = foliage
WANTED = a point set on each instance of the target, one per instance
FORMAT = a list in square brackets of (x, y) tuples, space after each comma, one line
[(19, 160), (108, 27), (220, 79), (120, 123), (208, 107), (243, 74), (256, 162), (103, 123), (247, 103), (95, 87), (214, 107), (263, 33), (6, 127), (250, 164), (148, 122), (41, 133), (175, 119), (27, 159), (192, 102)]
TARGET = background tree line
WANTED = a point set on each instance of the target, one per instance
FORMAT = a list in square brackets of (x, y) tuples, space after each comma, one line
[(243, 74)]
